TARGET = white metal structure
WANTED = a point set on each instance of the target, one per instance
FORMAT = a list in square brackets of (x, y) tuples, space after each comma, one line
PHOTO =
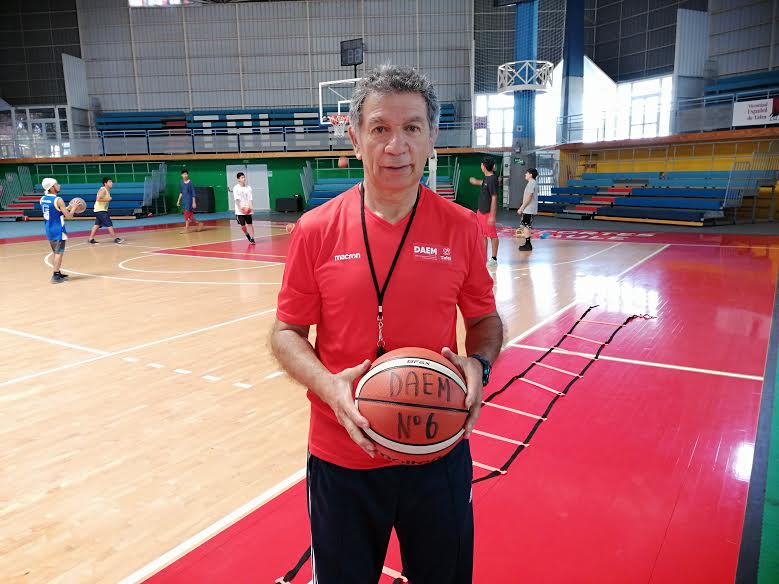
[(525, 76)]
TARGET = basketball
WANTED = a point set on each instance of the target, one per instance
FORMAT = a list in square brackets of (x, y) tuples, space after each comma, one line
[(246, 211), (78, 205), (414, 400), (343, 162)]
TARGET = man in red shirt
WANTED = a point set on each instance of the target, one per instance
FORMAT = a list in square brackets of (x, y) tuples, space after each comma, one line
[(387, 252)]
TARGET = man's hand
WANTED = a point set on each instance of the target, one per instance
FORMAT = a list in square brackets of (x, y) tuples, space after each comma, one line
[(194, 204), (491, 220), (474, 181), (339, 398), (473, 372)]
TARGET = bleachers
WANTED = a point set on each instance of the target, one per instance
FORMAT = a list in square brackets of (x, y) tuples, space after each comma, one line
[(326, 189), (126, 198), (230, 121), (694, 197)]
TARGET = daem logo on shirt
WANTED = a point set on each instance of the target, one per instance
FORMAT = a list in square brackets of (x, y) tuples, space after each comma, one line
[(346, 256), (432, 252)]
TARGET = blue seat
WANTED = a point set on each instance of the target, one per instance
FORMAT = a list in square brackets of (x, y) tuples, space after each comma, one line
[(680, 192), (670, 203), (574, 190), (653, 213), (568, 199)]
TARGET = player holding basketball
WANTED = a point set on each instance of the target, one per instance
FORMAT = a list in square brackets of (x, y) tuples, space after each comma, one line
[(488, 205), (102, 218), (393, 248), (529, 208), (188, 202), (54, 214), (242, 193)]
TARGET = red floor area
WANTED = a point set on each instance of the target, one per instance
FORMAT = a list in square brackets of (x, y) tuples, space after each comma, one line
[(639, 474), (271, 248)]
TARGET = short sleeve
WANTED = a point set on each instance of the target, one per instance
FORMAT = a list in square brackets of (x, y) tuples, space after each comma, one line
[(299, 300), (492, 185), (476, 296)]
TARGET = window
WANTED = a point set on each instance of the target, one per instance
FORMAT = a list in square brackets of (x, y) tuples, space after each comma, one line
[(644, 108), (498, 112)]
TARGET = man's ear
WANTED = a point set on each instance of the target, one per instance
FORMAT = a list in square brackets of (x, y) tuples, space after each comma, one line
[(355, 145)]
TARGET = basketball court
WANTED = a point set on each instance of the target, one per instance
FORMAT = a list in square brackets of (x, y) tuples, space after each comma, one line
[(630, 430), (152, 435)]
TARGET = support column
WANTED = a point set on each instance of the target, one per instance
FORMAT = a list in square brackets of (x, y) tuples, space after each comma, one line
[(524, 131), (573, 73), (525, 49)]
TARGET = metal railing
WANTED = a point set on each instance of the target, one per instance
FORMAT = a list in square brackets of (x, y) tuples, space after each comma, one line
[(456, 177), (189, 141), (307, 180), (688, 116)]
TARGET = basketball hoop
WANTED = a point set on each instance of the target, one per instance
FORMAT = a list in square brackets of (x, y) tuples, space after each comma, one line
[(339, 122)]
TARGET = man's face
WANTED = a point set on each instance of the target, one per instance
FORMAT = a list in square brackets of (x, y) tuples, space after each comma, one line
[(109, 184), (393, 140), (242, 180), (56, 188), (185, 176), (528, 176)]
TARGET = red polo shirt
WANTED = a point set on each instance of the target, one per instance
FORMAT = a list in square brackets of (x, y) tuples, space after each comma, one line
[(327, 283)]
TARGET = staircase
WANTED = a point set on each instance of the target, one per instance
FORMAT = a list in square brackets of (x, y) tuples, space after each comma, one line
[(588, 207), (15, 211), (445, 188)]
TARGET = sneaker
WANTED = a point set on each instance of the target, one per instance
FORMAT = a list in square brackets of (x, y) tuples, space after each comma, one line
[(93, 241), (119, 240), (251, 241), (527, 246), (491, 263), (63, 275), (57, 278)]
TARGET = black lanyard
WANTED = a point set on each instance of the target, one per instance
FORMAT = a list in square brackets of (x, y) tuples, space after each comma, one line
[(381, 291)]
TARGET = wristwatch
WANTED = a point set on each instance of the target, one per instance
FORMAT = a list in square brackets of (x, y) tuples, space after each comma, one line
[(486, 367)]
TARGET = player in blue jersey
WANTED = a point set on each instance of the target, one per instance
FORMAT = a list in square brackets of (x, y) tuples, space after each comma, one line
[(54, 214)]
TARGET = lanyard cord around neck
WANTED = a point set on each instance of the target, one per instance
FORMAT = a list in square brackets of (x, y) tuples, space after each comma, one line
[(381, 291)]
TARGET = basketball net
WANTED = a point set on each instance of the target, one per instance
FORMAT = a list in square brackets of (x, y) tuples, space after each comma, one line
[(339, 122)]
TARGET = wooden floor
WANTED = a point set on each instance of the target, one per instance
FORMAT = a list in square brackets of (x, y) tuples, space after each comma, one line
[(139, 402)]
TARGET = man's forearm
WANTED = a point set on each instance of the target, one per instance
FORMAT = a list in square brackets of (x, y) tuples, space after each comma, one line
[(485, 337), (297, 358), (494, 205)]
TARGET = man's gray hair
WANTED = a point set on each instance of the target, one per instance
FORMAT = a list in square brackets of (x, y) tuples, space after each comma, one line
[(387, 79)]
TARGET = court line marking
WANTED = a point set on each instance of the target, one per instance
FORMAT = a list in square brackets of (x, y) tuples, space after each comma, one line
[(134, 348), (275, 255), (53, 341), (543, 322), (32, 253), (190, 544), (602, 357), (215, 528), (585, 258), (123, 267), (147, 280)]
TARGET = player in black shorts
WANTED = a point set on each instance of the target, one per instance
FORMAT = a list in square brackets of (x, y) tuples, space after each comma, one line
[(102, 218)]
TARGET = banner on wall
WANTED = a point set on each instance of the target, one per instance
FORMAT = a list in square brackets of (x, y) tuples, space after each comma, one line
[(756, 113)]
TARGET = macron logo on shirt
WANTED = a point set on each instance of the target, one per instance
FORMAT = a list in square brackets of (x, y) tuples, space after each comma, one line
[(346, 256)]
